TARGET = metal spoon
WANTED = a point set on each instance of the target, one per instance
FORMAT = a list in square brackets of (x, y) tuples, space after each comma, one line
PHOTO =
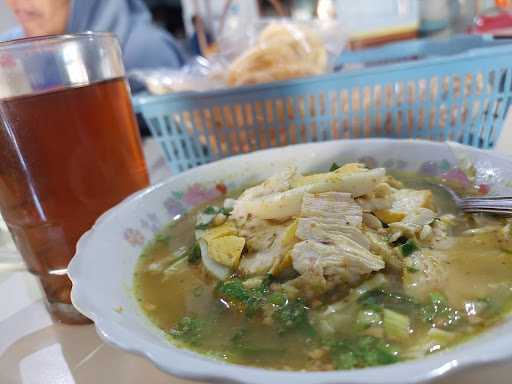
[(497, 205)]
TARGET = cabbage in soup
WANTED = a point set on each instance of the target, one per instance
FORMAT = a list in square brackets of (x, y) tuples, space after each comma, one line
[(345, 269)]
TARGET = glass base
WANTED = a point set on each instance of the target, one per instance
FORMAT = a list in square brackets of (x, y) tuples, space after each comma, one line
[(66, 313), (57, 289)]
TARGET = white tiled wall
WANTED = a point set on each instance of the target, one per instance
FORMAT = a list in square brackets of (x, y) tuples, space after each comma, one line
[(7, 19)]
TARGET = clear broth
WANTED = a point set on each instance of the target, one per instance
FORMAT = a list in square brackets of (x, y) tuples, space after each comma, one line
[(476, 268)]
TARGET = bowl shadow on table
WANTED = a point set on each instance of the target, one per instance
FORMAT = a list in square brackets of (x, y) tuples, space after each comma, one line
[(71, 354)]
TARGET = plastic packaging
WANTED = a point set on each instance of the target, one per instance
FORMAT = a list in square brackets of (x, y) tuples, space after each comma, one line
[(200, 74), (265, 51), (279, 49)]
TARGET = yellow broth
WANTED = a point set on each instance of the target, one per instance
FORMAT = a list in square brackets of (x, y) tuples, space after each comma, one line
[(169, 289)]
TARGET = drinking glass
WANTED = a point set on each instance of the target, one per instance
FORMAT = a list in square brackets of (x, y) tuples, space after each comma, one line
[(69, 149)]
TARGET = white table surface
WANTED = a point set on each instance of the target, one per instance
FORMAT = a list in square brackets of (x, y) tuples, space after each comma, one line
[(34, 350)]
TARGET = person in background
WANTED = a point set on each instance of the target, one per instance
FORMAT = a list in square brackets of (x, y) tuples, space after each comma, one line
[(144, 45)]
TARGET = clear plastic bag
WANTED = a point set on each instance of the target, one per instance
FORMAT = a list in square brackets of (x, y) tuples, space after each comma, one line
[(281, 49), (197, 75), (265, 51)]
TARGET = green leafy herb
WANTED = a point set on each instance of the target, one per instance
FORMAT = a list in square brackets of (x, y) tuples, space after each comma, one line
[(439, 313), (408, 248), (412, 270), (251, 299), (376, 298), (226, 211), (334, 167), (211, 210), (400, 241), (209, 214), (207, 217), (368, 317), (360, 352), (288, 315), (396, 326), (292, 315), (194, 254), (233, 290), (162, 238), (189, 330), (277, 298)]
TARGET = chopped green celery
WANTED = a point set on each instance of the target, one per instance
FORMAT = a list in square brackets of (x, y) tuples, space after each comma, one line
[(439, 313), (292, 316), (277, 298), (288, 315), (434, 340), (189, 330), (210, 210), (251, 299), (226, 211), (377, 281), (367, 318), (363, 351), (334, 167), (206, 217), (162, 238), (233, 290), (336, 317), (194, 254), (396, 326), (342, 314), (408, 248), (391, 300)]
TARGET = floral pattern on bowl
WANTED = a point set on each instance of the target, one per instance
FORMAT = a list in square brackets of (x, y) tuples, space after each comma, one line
[(175, 205), (101, 285), (179, 202)]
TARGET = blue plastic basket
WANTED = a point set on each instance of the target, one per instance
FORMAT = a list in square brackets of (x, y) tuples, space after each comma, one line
[(458, 89)]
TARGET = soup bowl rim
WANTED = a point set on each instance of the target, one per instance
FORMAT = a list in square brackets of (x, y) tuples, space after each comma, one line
[(494, 348)]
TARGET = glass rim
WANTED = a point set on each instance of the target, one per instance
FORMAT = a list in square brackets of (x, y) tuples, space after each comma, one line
[(55, 38)]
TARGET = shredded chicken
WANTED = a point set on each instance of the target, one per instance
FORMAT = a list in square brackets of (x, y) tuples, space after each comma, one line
[(332, 243), (336, 207), (265, 244), (280, 197), (343, 260), (314, 229)]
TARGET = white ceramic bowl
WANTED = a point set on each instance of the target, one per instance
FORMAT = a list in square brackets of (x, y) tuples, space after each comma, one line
[(103, 266)]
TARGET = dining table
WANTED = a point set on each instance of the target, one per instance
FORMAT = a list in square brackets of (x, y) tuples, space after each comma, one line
[(36, 350)]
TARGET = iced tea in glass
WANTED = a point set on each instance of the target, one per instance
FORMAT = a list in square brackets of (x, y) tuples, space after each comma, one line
[(69, 149)]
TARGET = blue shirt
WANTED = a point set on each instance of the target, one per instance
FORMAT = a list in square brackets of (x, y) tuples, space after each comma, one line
[(144, 44)]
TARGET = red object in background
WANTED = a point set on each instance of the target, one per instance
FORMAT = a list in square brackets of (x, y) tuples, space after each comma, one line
[(502, 3), (499, 22)]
